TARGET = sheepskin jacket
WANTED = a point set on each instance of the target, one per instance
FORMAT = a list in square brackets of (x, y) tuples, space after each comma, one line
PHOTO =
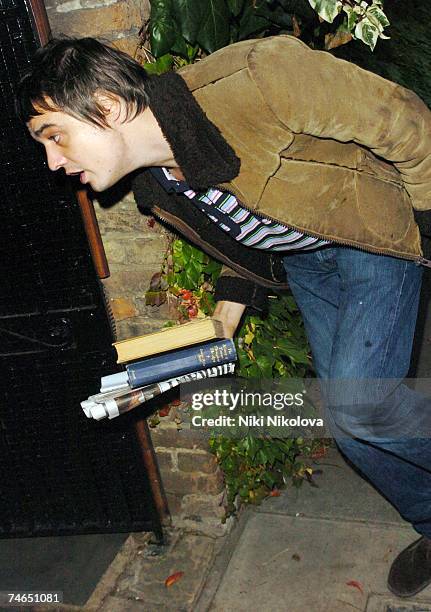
[(298, 136)]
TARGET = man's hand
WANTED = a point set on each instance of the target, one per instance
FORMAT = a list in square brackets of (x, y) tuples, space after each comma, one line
[(230, 314)]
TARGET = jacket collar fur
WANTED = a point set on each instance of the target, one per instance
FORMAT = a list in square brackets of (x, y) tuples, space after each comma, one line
[(200, 150)]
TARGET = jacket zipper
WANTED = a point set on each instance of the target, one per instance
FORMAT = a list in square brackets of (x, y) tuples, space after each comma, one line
[(184, 229), (417, 258)]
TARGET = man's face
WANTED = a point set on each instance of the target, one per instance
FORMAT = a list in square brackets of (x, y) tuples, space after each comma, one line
[(97, 155)]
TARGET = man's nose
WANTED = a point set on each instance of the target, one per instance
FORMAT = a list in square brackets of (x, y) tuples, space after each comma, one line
[(55, 159)]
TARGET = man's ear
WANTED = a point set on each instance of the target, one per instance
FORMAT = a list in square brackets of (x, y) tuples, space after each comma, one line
[(111, 106)]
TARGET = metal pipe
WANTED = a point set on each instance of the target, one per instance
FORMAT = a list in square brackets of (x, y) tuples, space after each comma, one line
[(150, 462), (93, 234)]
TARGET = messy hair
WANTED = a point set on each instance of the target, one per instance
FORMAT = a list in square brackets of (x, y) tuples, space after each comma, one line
[(66, 73)]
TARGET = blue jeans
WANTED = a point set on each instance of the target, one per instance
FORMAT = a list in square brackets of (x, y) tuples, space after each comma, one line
[(359, 312)]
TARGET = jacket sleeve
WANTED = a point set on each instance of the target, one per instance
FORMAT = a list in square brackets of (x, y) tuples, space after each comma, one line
[(232, 287), (312, 92)]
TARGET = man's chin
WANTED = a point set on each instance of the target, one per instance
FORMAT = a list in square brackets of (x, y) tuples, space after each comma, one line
[(98, 187)]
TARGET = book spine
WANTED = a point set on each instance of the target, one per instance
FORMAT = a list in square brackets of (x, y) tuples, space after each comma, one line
[(181, 362)]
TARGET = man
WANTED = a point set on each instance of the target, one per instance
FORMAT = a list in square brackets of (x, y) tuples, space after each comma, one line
[(268, 152)]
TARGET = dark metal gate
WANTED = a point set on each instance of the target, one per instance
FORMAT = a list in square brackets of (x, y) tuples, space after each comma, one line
[(60, 473)]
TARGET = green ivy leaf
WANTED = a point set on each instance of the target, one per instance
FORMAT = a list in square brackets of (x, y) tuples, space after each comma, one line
[(377, 16), (251, 22), (183, 281), (262, 457), (187, 250), (367, 32), (352, 17), (197, 267), (265, 364), (252, 370), (326, 9), (235, 6), (214, 30), (180, 46), (275, 15), (193, 277), (199, 255), (212, 267), (163, 31), (161, 65), (177, 248), (207, 303), (188, 15)]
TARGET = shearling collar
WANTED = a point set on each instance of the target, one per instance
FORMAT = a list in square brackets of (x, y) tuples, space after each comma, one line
[(204, 156)]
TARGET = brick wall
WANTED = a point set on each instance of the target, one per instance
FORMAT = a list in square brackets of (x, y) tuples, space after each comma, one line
[(135, 250), (191, 478), (118, 21)]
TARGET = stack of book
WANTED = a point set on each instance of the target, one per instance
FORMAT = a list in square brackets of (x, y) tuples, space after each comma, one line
[(208, 354)]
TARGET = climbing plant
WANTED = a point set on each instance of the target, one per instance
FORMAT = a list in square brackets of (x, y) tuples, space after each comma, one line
[(177, 25)]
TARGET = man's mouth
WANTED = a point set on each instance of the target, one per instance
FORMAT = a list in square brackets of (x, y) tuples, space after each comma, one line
[(80, 173)]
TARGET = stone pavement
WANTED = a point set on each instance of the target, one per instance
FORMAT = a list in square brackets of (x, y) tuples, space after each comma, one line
[(326, 548), (320, 549)]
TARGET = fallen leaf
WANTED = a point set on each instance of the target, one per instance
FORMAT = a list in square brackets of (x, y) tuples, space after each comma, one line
[(173, 578), (275, 493), (164, 411), (319, 452), (356, 585)]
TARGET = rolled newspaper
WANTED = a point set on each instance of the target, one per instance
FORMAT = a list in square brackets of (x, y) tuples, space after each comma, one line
[(113, 403)]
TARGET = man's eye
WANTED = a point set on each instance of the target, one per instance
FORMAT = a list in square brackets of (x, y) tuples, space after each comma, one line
[(55, 138)]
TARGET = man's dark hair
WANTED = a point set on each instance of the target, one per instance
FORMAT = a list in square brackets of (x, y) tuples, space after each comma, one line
[(66, 73)]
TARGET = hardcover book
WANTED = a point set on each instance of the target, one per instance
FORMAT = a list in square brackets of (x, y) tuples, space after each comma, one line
[(195, 332), (188, 360)]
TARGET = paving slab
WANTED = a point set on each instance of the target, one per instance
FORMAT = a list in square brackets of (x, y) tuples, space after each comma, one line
[(143, 580), (322, 548), (338, 492), (383, 603), (297, 564)]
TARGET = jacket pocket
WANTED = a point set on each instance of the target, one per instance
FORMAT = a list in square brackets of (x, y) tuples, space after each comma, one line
[(387, 213), (343, 154), (343, 205)]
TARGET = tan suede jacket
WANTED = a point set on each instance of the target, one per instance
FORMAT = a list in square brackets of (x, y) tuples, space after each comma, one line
[(328, 148)]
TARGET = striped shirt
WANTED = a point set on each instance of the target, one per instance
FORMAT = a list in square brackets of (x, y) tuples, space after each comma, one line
[(245, 226)]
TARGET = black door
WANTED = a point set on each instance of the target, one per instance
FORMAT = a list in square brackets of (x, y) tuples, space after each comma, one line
[(60, 473)]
